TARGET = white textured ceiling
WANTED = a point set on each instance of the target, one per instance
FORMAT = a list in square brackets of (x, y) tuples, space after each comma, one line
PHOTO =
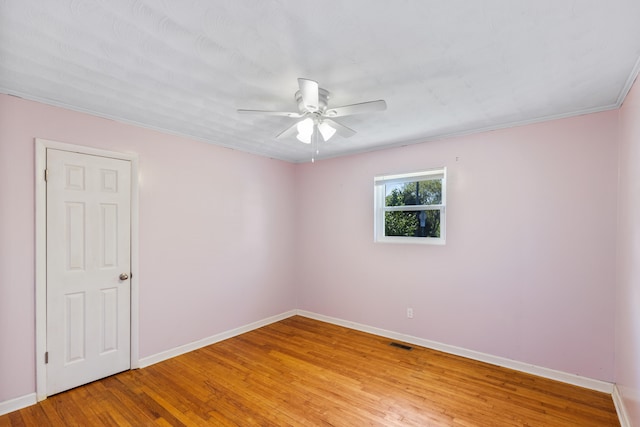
[(444, 67)]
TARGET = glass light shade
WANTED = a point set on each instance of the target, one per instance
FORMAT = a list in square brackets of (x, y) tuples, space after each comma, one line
[(305, 130), (326, 131), (304, 137), (305, 126)]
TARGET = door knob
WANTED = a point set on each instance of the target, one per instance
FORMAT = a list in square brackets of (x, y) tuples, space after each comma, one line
[(124, 276)]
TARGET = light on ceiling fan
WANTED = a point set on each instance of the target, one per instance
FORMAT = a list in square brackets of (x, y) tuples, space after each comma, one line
[(306, 138), (326, 131), (305, 130)]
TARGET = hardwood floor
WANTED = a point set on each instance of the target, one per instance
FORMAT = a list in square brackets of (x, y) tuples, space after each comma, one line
[(301, 372)]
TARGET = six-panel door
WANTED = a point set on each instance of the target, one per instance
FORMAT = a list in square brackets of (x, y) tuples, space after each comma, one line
[(88, 248)]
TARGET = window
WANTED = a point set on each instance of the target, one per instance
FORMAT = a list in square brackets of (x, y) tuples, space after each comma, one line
[(410, 208)]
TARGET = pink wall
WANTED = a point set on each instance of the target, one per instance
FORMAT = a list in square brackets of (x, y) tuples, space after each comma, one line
[(216, 240), (627, 349), (528, 271)]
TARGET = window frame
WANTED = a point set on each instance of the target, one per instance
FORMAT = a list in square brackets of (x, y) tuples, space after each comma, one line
[(379, 206)]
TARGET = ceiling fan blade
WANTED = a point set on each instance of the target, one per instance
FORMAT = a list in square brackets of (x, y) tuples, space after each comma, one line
[(309, 91), (363, 107), (341, 130), (271, 113), (288, 131)]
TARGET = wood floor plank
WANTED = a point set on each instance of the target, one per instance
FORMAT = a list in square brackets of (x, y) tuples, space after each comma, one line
[(302, 372)]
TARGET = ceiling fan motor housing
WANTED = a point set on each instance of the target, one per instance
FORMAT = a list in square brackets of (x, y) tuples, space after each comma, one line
[(323, 98)]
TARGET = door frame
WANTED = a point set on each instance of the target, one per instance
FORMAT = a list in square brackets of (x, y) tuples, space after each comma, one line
[(41, 146)]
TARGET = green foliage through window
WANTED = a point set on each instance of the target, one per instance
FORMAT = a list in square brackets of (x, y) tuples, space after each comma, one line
[(414, 193), (413, 223)]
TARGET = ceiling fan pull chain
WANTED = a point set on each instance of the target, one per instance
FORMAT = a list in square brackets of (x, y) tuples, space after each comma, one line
[(314, 144)]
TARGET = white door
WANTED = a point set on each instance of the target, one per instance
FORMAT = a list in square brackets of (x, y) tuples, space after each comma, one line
[(88, 264)]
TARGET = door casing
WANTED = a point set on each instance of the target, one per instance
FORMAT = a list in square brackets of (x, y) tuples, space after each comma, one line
[(41, 252)]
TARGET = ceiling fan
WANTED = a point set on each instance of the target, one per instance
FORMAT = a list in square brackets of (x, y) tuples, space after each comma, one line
[(315, 116)]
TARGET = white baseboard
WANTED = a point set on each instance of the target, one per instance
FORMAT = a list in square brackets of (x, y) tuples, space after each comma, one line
[(623, 417), (597, 385), (17, 403), (177, 351)]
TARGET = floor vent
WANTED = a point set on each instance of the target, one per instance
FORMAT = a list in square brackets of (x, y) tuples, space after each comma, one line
[(402, 346)]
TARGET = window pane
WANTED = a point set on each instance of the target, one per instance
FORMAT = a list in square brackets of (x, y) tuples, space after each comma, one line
[(429, 192), (412, 223), (414, 193)]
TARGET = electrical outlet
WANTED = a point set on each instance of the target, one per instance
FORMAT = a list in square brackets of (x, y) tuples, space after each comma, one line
[(410, 313)]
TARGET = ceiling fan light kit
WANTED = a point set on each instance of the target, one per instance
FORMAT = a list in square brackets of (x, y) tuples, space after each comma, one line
[(315, 117)]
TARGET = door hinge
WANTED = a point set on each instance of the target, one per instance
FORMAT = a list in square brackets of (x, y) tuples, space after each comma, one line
[(46, 174), (46, 357)]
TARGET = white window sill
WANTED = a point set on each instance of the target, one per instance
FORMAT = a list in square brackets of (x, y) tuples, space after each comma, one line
[(412, 240)]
